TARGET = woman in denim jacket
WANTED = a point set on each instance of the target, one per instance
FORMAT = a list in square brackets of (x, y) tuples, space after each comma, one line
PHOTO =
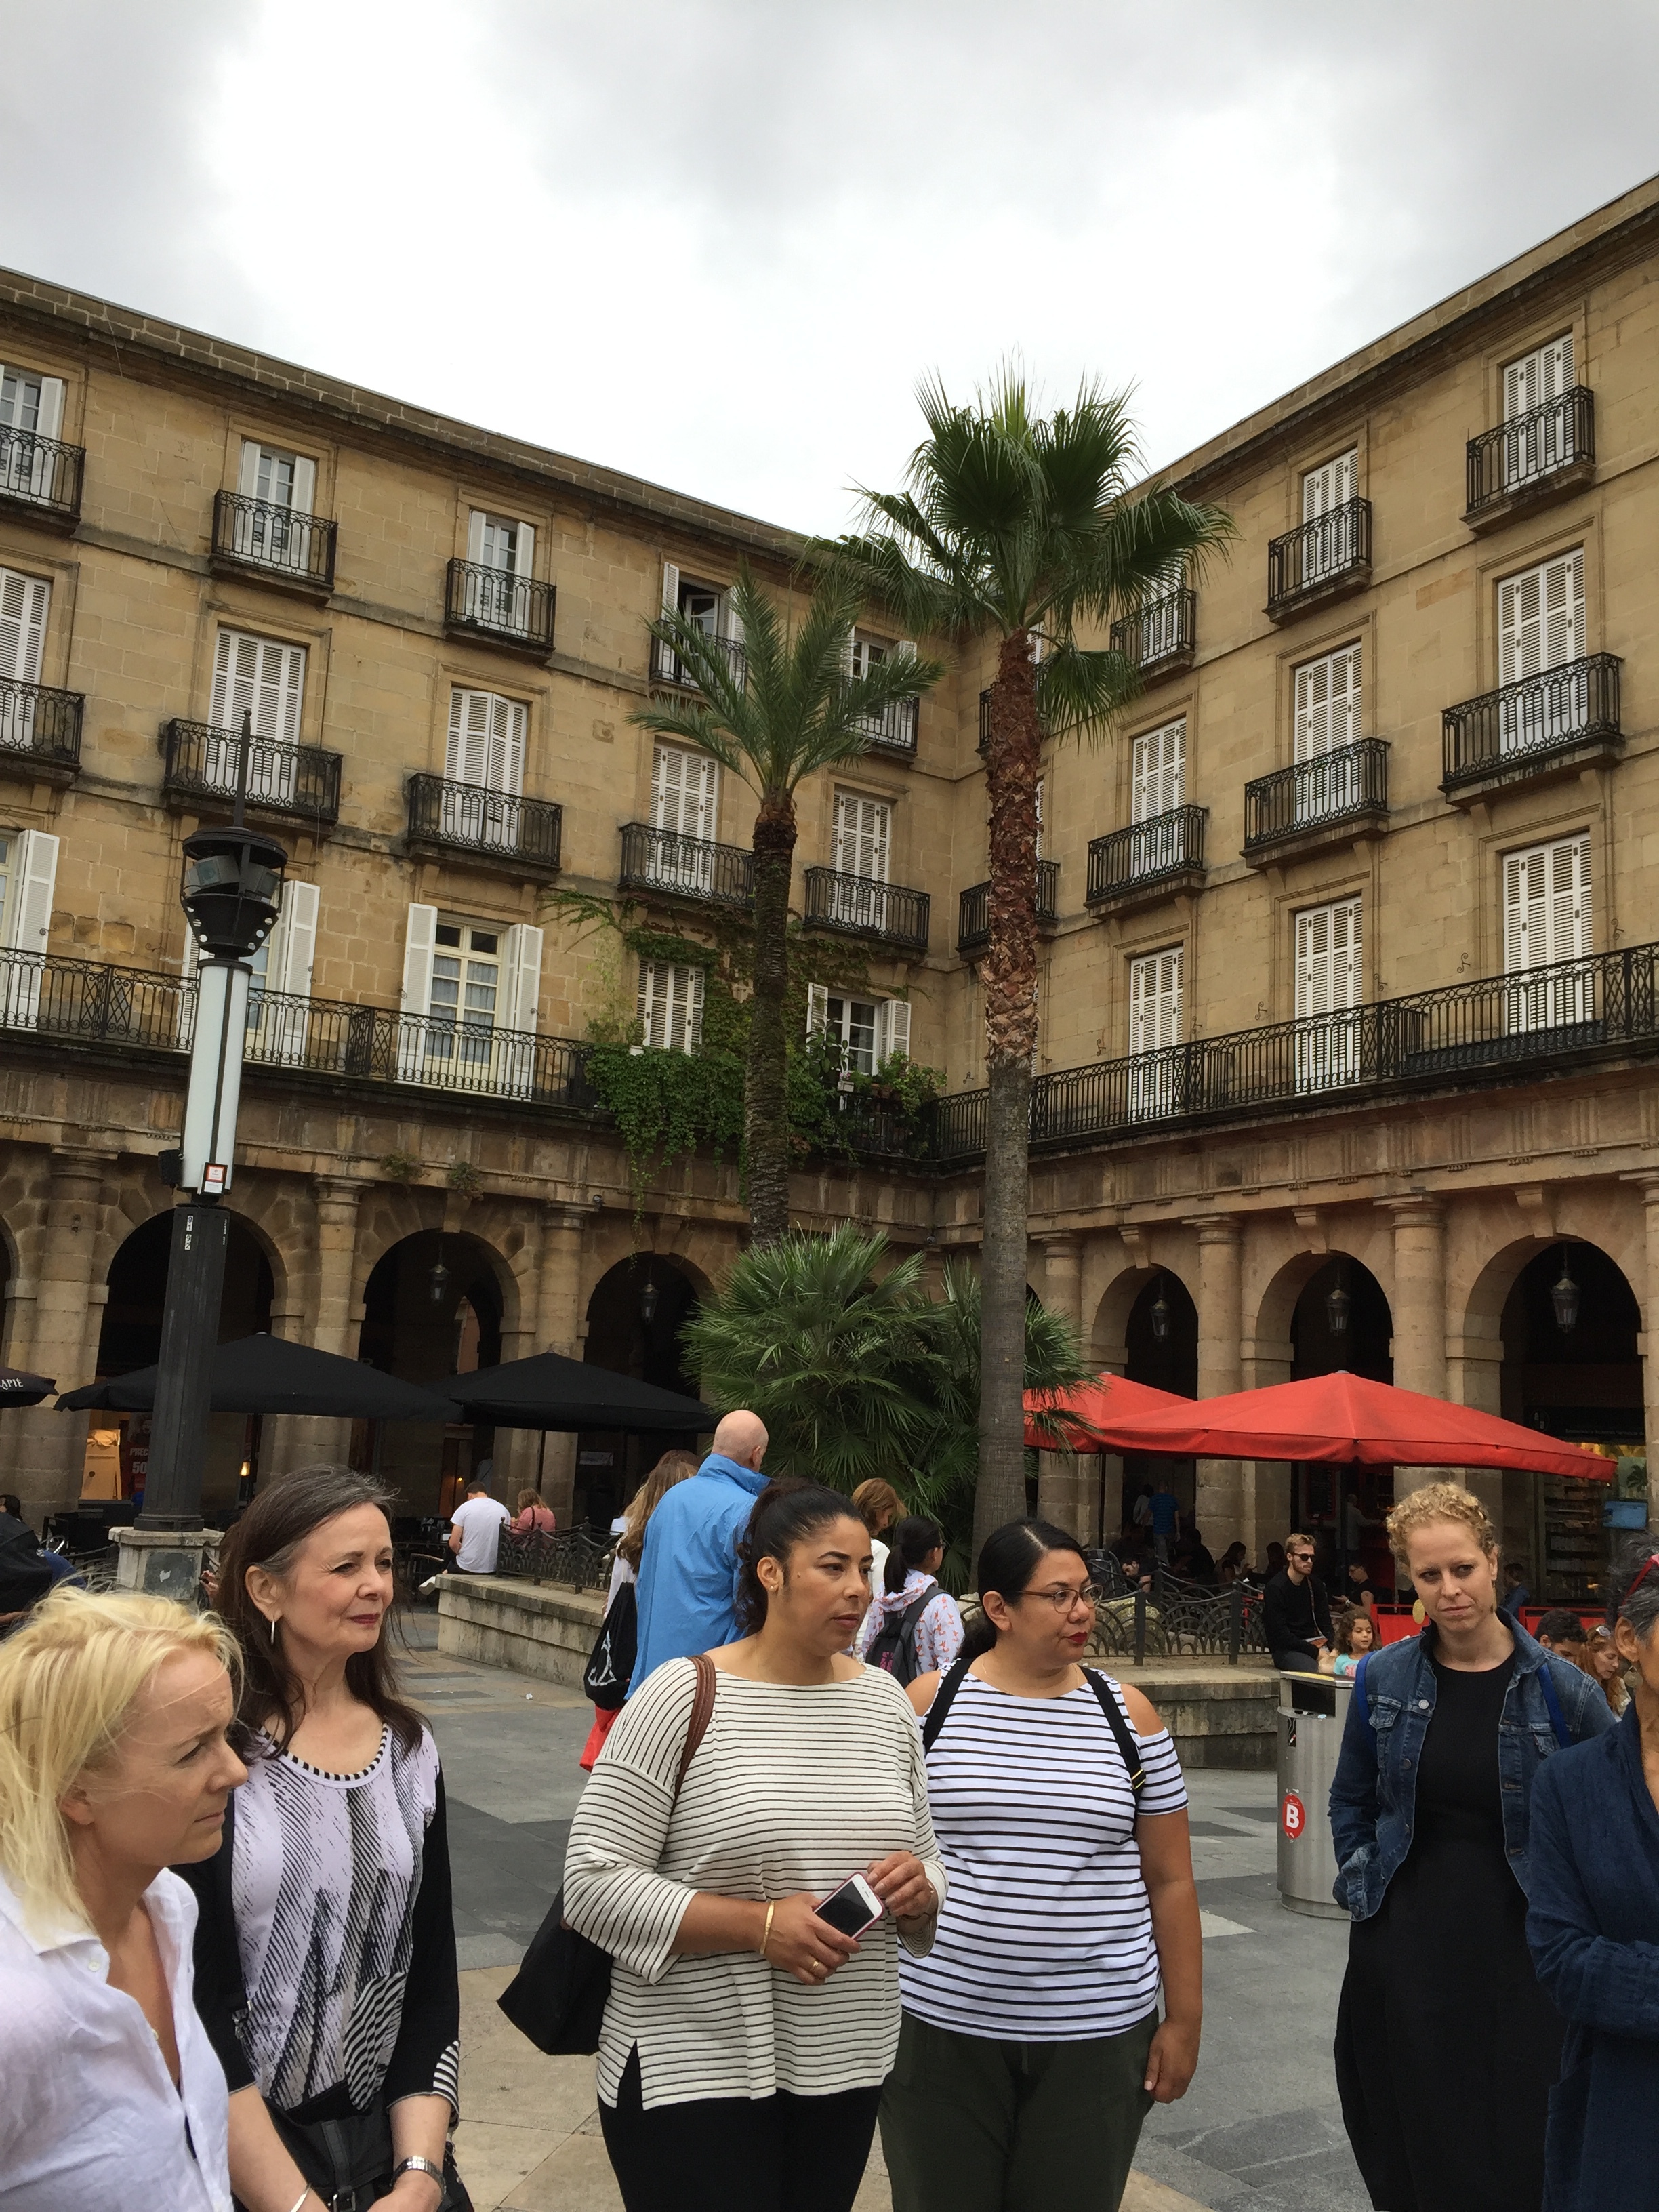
[(1446, 2047)]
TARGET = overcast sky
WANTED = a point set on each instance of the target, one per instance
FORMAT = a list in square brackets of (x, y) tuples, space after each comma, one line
[(716, 242)]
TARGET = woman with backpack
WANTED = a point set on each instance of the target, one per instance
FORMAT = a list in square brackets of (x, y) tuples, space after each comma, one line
[(1031, 2049), (611, 1664), (914, 1627)]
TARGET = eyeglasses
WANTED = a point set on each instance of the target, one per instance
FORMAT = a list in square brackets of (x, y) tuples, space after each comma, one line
[(1063, 1600)]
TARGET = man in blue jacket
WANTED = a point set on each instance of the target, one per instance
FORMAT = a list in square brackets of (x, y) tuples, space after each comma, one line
[(689, 1573)]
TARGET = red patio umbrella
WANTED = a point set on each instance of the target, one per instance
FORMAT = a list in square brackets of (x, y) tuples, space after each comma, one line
[(1078, 1412), (1343, 1418)]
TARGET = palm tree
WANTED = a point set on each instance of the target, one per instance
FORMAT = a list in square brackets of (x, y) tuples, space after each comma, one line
[(1020, 527), (772, 715)]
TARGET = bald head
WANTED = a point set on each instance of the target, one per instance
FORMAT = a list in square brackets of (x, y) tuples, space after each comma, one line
[(742, 1436)]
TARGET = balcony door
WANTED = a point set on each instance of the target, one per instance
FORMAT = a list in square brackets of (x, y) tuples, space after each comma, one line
[(506, 550), (484, 770), (30, 410), (277, 530), (25, 602), (261, 677), (1326, 492), (1329, 697), (278, 1008), (862, 849), (28, 872), (1156, 1016), (685, 813), (1158, 789), (1546, 923), (1540, 626), (1329, 991), (1534, 447)]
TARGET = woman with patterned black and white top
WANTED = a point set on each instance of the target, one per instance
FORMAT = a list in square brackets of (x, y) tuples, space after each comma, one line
[(1031, 2049), (325, 1947), (745, 2040)]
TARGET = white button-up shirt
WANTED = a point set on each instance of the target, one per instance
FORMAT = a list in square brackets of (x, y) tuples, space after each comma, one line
[(89, 2118)]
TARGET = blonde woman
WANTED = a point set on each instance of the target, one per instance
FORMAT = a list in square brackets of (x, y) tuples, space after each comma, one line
[(114, 1764)]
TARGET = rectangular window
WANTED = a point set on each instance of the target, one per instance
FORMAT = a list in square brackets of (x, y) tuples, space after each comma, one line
[(708, 606), (277, 478), (1155, 1030), (493, 540), (25, 602), (276, 531), (685, 810), (671, 1006), (1329, 990), (484, 770), (31, 409), (501, 598), (868, 1030), (1159, 772), (265, 678), (1546, 923), (29, 867), (1327, 492), (1538, 377), (1541, 626), (466, 982), (864, 833), (1333, 484), (1328, 699)]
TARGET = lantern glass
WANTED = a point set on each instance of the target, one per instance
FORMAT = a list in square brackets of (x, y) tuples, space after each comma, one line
[(1338, 1307), (1159, 1317), (1564, 1298)]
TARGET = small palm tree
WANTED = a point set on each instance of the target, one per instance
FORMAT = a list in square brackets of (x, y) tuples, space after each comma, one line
[(784, 707), (1021, 528)]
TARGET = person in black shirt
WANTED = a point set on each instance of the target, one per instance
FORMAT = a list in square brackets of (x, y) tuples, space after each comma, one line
[(1296, 1615)]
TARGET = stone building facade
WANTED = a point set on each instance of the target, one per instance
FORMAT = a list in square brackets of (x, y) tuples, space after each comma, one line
[(1347, 988)]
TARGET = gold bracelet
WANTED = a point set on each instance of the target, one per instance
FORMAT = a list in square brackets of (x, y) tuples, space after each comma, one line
[(766, 1933)]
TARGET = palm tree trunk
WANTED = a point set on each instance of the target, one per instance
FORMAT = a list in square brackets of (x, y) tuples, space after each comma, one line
[(766, 1091), (1008, 974)]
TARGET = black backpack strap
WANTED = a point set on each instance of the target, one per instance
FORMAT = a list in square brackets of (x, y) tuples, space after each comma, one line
[(1120, 1728), (942, 1699)]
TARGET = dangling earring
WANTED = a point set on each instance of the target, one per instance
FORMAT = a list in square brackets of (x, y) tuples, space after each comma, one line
[(273, 1628)]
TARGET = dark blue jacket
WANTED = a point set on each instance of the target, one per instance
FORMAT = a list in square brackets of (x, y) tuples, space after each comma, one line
[(1593, 1924), (1374, 1795)]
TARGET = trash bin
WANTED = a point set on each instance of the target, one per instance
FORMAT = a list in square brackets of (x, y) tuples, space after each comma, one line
[(1313, 1710)]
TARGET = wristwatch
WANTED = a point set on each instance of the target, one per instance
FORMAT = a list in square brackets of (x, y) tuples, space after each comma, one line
[(419, 2165)]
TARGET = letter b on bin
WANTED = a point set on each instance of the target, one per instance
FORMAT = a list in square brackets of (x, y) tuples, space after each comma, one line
[(1313, 1710)]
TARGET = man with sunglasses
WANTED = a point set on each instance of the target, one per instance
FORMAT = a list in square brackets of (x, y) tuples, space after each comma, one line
[(1296, 1615)]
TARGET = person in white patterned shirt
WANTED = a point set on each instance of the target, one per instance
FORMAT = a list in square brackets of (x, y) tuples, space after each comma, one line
[(935, 1627)]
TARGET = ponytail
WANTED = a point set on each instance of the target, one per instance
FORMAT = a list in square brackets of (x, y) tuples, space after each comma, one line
[(907, 1547), (1007, 1560), (786, 1510)]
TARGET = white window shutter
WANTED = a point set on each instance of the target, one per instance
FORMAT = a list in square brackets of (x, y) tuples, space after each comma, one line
[(304, 485), (524, 549), (247, 481), (817, 1009), (670, 588), (694, 1010), (420, 944), (475, 536), (730, 624), (261, 676), (1541, 617), (504, 762), (1563, 610), (522, 977), (294, 941), (1332, 484), (1569, 899), (24, 603), (1155, 995), (1328, 697), (51, 407), (895, 1036), (1157, 772), (37, 874)]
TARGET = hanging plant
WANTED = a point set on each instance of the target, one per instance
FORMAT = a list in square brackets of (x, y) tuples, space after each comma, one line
[(401, 1167), (462, 1176)]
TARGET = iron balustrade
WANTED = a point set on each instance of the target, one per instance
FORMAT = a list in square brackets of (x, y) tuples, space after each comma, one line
[(1334, 547), (1523, 454), (41, 473), (1347, 783), (861, 907), (575, 1557), (95, 1003), (667, 667), (1146, 852), (468, 819), (1522, 725), (201, 761), (894, 729), (685, 867), (1162, 631), (275, 541), (974, 907), (498, 603), (41, 724)]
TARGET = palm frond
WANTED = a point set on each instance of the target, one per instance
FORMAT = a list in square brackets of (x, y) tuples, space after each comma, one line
[(1080, 694)]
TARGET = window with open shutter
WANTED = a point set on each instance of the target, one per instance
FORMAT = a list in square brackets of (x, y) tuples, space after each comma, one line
[(1541, 375), (277, 478), (1334, 484), (278, 1020), (1159, 772), (25, 602), (32, 867), (1329, 992), (893, 1030), (30, 410), (671, 1006), (484, 755), (1541, 617), (1548, 921), (264, 679), (1156, 1016), (864, 831), (817, 1009), (685, 814)]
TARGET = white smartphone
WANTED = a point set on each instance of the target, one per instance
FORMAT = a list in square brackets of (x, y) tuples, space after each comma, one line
[(852, 1908)]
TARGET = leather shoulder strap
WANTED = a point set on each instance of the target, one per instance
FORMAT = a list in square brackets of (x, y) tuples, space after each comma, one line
[(1128, 1747), (702, 1705), (943, 1698)]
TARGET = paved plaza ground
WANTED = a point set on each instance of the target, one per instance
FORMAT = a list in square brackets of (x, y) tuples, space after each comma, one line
[(1259, 2131)]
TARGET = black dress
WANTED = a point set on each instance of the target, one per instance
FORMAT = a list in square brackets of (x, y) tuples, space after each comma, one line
[(1446, 2047)]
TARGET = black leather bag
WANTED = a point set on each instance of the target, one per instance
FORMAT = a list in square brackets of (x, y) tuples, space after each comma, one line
[(349, 2162), (557, 1996)]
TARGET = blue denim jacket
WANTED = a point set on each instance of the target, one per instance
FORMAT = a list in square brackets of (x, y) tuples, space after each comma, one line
[(1374, 1795)]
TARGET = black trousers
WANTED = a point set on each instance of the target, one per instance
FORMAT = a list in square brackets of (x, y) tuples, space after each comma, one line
[(777, 2154), (1296, 1659)]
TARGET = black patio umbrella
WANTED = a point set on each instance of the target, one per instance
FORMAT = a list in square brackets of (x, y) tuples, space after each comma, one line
[(20, 1389), (550, 1392), (269, 1375)]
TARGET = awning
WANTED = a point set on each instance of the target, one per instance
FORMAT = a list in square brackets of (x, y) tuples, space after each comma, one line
[(269, 1375), (551, 1392)]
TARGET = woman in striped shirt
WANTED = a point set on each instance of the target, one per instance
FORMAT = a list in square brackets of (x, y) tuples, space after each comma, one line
[(745, 2040), (1031, 2050)]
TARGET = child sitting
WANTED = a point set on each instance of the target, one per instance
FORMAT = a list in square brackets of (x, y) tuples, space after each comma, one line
[(1350, 1627)]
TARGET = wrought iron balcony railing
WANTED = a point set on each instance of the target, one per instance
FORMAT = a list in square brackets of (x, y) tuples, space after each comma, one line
[(1344, 785), (40, 475), (860, 906), (894, 729), (497, 603), (974, 907), (1333, 550), (1525, 453), (667, 667), (1523, 726), (95, 1003), (1147, 852), (663, 861), (274, 541), (200, 761), (1162, 635), (40, 727), (467, 818)]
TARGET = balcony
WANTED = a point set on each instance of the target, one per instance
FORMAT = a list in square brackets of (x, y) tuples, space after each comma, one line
[(40, 732), (894, 729), (1149, 860), (40, 479), (1325, 559), (1549, 725), (495, 829), (857, 906), (253, 538), (1160, 637), (1537, 456), (1314, 804), (667, 667), (666, 864), (494, 604), (974, 908), (201, 764)]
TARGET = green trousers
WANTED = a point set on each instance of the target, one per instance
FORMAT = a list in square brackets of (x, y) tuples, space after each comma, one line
[(970, 2124)]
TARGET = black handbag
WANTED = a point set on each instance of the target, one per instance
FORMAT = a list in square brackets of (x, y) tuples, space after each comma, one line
[(349, 2162), (557, 1996)]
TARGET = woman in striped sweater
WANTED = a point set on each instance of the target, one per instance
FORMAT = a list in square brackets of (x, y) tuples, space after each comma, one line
[(745, 2040)]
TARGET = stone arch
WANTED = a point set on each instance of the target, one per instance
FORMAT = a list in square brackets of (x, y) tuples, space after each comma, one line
[(621, 1334)]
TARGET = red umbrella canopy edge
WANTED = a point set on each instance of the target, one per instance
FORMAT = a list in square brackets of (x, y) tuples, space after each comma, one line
[(1069, 1419)]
